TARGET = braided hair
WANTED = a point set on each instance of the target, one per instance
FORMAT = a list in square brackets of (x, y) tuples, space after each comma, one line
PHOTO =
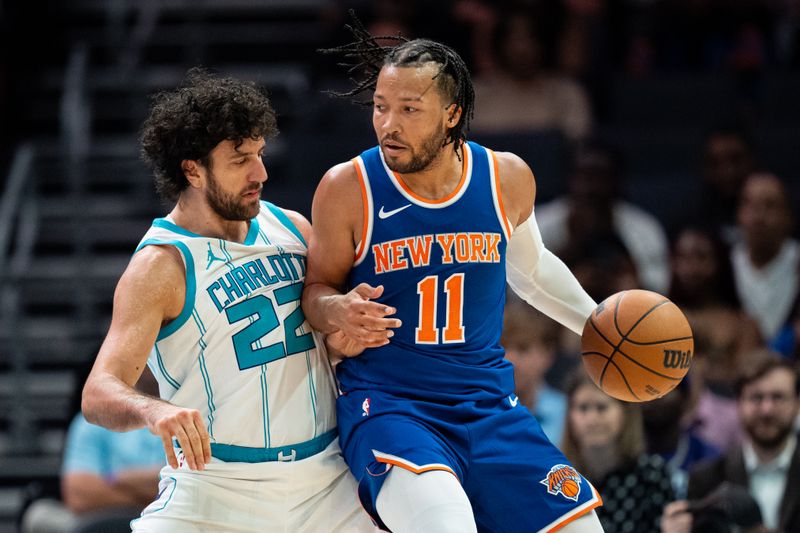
[(366, 56)]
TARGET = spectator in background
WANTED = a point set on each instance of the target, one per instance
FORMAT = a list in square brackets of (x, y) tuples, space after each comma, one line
[(768, 461), (107, 477), (530, 340), (521, 94), (669, 433), (702, 276), (766, 261), (728, 157), (593, 209), (722, 343), (605, 440)]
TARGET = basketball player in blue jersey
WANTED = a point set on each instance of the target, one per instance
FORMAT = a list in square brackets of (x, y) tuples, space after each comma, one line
[(413, 242), (211, 303)]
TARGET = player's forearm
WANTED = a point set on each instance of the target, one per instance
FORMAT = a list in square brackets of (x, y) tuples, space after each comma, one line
[(318, 302), (553, 290), (544, 281), (109, 402)]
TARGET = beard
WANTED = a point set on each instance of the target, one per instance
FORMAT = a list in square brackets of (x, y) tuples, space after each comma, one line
[(226, 205), (769, 435), (420, 160)]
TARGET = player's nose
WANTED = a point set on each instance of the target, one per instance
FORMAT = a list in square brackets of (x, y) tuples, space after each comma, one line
[(391, 124), (259, 174)]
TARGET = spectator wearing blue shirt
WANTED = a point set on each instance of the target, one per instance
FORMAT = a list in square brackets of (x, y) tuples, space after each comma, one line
[(107, 478), (530, 340)]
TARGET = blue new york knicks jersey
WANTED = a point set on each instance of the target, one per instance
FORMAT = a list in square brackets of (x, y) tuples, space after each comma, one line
[(442, 265)]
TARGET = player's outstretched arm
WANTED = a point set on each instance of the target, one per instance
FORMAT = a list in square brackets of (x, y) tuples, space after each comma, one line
[(533, 271), (149, 293), (337, 213)]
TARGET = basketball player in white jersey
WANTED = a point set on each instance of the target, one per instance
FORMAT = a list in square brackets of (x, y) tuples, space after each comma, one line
[(211, 303)]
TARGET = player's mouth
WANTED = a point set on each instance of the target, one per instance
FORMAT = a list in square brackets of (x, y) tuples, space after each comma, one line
[(253, 193), (393, 149)]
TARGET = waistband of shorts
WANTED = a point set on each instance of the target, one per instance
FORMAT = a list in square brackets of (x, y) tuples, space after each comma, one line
[(293, 452)]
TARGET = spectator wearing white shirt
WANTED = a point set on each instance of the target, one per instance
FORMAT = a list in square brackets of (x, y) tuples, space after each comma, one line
[(593, 209), (766, 260)]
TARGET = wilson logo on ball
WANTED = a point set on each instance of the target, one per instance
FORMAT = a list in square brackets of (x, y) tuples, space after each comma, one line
[(677, 359)]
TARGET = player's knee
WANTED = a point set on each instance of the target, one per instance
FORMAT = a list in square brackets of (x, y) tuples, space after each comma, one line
[(431, 502)]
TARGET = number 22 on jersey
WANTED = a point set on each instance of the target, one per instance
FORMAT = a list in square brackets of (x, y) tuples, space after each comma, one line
[(427, 331)]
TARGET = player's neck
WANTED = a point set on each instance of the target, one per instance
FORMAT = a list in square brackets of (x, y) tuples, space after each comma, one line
[(440, 178), (198, 217)]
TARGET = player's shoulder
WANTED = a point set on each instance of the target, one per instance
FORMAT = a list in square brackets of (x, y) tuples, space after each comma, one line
[(339, 184), (342, 173), (154, 263), (300, 222), (511, 165)]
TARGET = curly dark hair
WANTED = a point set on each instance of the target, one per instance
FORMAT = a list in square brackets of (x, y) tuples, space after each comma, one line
[(188, 122), (367, 56)]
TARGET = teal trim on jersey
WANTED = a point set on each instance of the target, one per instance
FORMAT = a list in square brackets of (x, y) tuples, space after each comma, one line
[(252, 233), (296, 452), (223, 245), (172, 381), (265, 406), (166, 224), (204, 373), (191, 283), (250, 239), (311, 389), (169, 499), (264, 236), (281, 216)]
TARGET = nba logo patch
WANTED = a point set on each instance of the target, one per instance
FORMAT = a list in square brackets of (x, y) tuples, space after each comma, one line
[(365, 407), (564, 480)]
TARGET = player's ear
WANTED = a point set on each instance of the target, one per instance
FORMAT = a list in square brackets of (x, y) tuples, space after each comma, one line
[(453, 115), (191, 169)]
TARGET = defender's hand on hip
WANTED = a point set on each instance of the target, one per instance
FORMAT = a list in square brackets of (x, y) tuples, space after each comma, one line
[(187, 427)]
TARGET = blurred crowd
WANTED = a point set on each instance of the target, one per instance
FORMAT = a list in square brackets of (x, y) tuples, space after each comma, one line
[(555, 56), (733, 267)]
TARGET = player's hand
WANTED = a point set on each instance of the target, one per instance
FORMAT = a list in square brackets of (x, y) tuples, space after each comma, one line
[(676, 518), (362, 320), (168, 421), (340, 346)]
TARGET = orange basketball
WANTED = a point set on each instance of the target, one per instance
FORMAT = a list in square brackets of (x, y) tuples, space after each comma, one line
[(637, 345), (569, 488)]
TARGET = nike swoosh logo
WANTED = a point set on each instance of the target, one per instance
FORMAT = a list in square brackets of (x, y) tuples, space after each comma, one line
[(513, 401), (386, 214)]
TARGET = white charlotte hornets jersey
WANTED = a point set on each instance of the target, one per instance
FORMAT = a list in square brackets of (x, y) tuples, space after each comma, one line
[(241, 351)]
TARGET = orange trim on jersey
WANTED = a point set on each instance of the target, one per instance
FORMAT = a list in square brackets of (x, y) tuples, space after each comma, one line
[(500, 193), (575, 516), (365, 211), (455, 191), (406, 466)]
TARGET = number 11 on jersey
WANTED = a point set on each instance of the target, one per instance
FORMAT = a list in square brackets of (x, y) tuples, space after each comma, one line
[(428, 291)]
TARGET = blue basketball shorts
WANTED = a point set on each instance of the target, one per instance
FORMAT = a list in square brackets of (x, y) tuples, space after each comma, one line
[(515, 478)]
